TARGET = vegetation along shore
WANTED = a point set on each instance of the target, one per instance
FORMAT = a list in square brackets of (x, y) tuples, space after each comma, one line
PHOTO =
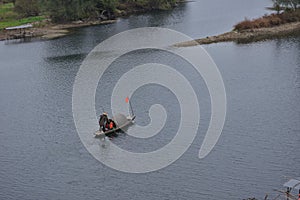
[(51, 19), (285, 22)]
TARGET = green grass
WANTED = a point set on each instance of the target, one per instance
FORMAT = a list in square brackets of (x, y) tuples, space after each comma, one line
[(16, 22), (9, 18), (6, 7)]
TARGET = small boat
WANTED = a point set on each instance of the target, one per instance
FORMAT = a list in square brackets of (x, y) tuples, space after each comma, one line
[(121, 123)]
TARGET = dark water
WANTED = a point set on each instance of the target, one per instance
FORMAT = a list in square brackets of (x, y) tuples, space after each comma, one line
[(42, 156)]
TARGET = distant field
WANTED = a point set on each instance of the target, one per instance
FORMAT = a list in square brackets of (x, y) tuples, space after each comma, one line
[(9, 18)]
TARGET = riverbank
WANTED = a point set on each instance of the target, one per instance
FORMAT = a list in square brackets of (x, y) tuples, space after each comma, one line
[(52, 31), (248, 36), (45, 29)]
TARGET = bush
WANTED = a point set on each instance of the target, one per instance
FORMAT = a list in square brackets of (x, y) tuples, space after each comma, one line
[(27, 8), (246, 24), (269, 20), (8, 15), (275, 21)]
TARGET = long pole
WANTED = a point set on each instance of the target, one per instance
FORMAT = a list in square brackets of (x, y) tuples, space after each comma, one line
[(131, 108)]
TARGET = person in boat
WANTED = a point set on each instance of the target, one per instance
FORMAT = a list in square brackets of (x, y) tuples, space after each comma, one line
[(110, 124), (103, 121)]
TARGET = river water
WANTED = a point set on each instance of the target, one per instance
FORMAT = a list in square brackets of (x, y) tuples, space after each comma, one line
[(42, 156)]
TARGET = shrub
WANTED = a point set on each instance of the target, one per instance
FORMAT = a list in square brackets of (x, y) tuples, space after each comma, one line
[(8, 15), (27, 8), (275, 21), (269, 20), (246, 24)]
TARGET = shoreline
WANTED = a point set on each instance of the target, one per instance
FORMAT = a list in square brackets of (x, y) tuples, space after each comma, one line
[(48, 30), (53, 31), (247, 36), (60, 30)]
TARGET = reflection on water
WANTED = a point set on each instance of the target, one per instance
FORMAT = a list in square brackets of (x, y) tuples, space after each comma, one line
[(41, 154), (65, 57)]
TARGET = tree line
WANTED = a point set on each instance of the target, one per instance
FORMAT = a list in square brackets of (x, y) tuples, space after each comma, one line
[(279, 5), (71, 10)]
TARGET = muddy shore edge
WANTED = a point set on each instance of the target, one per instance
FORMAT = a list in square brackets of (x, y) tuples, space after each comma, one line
[(52, 31)]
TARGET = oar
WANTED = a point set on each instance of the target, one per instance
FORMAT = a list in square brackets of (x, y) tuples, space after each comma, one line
[(288, 195)]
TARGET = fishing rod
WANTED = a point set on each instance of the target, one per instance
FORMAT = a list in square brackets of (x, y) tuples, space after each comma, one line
[(131, 108), (129, 102)]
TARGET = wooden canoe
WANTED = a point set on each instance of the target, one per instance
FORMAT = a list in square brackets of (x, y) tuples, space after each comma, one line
[(101, 134)]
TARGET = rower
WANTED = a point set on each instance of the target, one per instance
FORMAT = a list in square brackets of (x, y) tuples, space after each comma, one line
[(103, 121)]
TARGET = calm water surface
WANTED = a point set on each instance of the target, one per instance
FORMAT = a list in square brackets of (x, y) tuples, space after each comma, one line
[(42, 156)]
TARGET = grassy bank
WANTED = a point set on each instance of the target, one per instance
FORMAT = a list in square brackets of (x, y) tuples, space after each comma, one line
[(8, 17), (45, 27), (17, 22)]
